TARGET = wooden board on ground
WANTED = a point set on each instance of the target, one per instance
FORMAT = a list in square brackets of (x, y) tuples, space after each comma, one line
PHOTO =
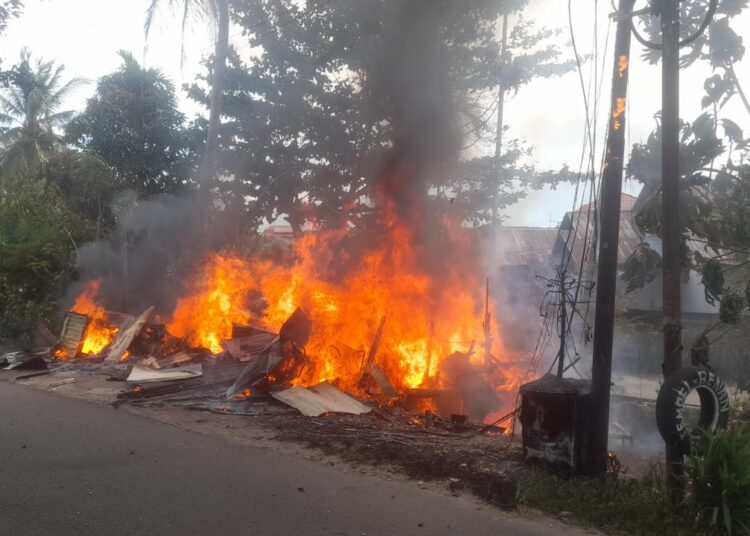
[(323, 398), (174, 360), (71, 335), (141, 374), (128, 331), (380, 378)]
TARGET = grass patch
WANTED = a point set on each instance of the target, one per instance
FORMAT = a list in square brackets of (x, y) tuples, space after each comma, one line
[(636, 506), (720, 476)]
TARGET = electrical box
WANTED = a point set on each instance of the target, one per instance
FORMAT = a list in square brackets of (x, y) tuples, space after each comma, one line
[(553, 415)]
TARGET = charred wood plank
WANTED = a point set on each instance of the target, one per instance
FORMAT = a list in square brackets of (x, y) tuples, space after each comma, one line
[(128, 331)]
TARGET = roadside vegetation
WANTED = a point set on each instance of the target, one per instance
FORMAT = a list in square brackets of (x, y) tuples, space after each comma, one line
[(717, 501)]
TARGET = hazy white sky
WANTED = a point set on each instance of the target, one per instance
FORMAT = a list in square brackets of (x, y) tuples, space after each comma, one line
[(86, 34)]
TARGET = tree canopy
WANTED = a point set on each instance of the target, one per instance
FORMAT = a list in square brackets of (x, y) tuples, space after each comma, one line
[(328, 88), (30, 115), (715, 177), (133, 123)]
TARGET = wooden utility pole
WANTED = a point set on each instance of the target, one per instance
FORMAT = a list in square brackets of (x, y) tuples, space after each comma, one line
[(563, 326), (611, 191), (670, 177)]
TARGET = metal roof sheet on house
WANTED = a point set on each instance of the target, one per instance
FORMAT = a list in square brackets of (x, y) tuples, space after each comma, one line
[(522, 246), (627, 202), (577, 233)]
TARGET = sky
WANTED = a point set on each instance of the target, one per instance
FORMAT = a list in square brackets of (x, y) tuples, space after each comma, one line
[(85, 36)]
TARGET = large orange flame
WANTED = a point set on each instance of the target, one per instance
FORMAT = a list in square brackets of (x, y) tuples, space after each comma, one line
[(428, 317), (218, 297), (99, 333)]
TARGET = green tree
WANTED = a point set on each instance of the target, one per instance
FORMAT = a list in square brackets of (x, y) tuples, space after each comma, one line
[(38, 234), (88, 186), (30, 116), (133, 123), (715, 178), (217, 11), (43, 220), (719, 45), (308, 118)]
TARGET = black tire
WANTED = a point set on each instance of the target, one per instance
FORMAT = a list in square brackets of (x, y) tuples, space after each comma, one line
[(670, 405)]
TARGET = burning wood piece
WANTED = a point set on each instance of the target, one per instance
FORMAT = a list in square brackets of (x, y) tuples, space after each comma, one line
[(370, 372), (282, 359), (128, 331), (247, 348), (155, 341), (71, 335), (240, 331), (379, 377), (323, 398), (278, 364), (370, 359)]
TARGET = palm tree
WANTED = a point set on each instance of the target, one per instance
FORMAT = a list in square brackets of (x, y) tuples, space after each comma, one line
[(30, 116), (218, 12)]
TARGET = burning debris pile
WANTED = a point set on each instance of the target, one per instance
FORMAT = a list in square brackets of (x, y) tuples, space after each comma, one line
[(381, 308), (378, 311), (215, 336), (379, 324)]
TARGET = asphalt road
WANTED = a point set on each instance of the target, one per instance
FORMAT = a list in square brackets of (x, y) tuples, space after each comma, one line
[(69, 467)]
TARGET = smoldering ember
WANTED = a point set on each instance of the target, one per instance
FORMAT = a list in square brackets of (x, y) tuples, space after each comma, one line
[(384, 266)]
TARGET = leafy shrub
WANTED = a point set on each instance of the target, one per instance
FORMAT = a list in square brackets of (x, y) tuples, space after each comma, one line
[(720, 476)]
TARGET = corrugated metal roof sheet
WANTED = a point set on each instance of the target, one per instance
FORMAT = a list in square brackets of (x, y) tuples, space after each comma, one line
[(578, 229), (323, 398), (522, 246)]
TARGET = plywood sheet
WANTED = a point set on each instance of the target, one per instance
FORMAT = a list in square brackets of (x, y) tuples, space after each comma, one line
[(74, 326), (142, 374), (323, 398), (128, 331)]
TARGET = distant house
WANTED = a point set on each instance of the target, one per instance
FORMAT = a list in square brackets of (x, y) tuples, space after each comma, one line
[(576, 245), (284, 232), (639, 331), (279, 231), (576, 237), (523, 246)]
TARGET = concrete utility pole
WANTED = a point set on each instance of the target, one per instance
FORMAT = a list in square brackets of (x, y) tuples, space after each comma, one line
[(606, 282), (670, 177)]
